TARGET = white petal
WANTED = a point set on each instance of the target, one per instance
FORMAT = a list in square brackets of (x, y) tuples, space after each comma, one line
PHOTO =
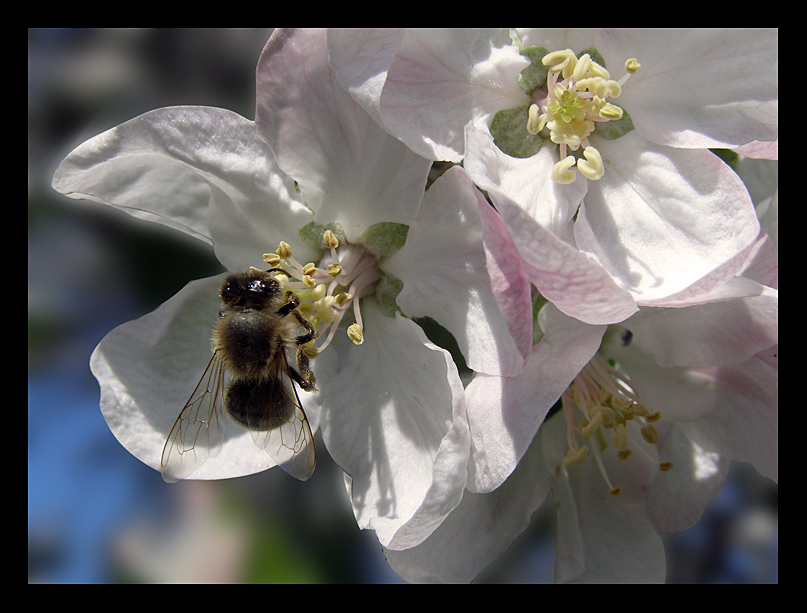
[(442, 266), (526, 181), (713, 334), (147, 369), (479, 529), (602, 538), (349, 169), (392, 415), (661, 219), (182, 166), (361, 58), (697, 87), (504, 413), (443, 78)]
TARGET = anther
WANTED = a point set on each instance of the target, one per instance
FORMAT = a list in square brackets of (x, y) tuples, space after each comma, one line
[(355, 334), (535, 120), (272, 259), (592, 167), (632, 65), (649, 434), (284, 250), (330, 240), (334, 270), (575, 457), (562, 173)]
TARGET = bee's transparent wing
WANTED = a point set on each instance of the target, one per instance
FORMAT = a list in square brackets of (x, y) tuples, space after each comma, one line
[(290, 444), (198, 431)]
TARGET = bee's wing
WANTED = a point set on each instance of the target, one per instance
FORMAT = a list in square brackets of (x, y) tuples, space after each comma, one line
[(290, 444), (199, 428)]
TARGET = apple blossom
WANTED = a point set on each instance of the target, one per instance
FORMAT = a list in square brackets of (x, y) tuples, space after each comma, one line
[(632, 446), (639, 443), (314, 186), (655, 211)]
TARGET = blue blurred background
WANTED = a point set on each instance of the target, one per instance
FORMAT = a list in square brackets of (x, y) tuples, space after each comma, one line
[(95, 513)]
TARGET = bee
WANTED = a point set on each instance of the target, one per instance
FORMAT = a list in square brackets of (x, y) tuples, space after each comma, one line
[(251, 376)]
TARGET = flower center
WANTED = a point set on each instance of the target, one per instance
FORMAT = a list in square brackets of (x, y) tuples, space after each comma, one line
[(576, 101), (328, 291), (603, 410)]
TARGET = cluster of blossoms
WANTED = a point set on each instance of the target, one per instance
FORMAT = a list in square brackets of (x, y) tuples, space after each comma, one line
[(616, 331)]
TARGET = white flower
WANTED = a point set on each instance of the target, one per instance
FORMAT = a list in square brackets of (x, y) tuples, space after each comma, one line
[(637, 446), (656, 212), (392, 409)]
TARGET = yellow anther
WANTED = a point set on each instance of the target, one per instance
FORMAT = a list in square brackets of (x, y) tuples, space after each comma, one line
[(330, 240), (665, 466), (319, 292), (611, 111), (649, 434), (254, 270), (284, 250), (562, 172), (592, 167), (308, 281), (632, 65), (560, 60), (343, 298), (281, 278), (575, 457), (624, 454), (653, 417), (591, 427), (615, 491), (535, 120), (582, 67), (334, 270), (272, 259), (311, 352), (309, 268), (355, 334)]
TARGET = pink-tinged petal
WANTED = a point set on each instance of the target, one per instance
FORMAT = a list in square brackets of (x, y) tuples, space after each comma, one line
[(504, 413), (443, 78), (539, 216), (572, 280), (698, 88), (510, 285), (661, 219), (349, 169), (760, 150), (443, 269), (183, 166), (392, 415), (711, 334), (479, 529), (147, 370)]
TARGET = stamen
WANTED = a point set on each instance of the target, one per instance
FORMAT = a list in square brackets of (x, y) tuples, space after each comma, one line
[(328, 290), (605, 399), (573, 107)]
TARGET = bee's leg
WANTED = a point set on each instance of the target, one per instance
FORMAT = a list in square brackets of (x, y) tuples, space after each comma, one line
[(310, 333), (292, 302), (304, 377)]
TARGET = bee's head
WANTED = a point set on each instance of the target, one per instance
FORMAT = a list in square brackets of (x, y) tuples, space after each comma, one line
[(249, 290)]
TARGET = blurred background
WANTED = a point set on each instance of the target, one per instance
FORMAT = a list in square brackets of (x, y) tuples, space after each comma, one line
[(95, 513)]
